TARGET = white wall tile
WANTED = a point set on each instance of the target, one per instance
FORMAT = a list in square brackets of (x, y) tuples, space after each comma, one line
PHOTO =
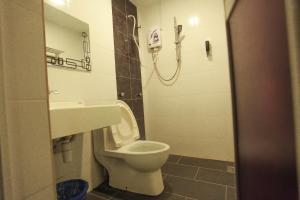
[(24, 80), (28, 130), (32, 5), (28, 126), (46, 193)]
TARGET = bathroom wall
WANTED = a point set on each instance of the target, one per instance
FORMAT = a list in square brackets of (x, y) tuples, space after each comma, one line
[(25, 137), (292, 9), (127, 60), (95, 87), (194, 115)]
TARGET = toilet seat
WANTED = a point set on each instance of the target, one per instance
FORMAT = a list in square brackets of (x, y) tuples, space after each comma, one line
[(127, 130)]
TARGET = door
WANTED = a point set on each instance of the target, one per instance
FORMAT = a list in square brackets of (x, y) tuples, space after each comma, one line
[(264, 128)]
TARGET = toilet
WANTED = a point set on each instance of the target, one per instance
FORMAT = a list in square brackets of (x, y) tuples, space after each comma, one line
[(132, 164)]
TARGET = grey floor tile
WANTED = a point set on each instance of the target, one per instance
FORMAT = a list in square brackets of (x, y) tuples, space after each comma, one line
[(173, 158), (94, 197), (194, 189), (129, 196), (169, 196), (105, 191), (215, 176), (212, 164), (179, 170), (231, 193), (133, 196)]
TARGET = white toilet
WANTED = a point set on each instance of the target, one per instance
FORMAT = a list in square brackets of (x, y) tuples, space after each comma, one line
[(132, 164)]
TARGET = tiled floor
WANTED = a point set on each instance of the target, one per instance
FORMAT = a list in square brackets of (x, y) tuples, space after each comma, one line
[(185, 179)]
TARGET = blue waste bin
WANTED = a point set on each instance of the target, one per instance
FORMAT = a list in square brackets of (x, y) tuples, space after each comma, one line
[(75, 189)]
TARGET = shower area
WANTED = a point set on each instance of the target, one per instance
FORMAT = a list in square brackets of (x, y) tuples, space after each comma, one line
[(172, 69), (192, 111)]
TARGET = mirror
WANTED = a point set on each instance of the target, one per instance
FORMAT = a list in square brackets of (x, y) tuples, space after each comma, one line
[(67, 40)]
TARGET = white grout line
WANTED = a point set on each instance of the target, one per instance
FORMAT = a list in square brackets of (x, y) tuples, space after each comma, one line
[(95, 195), (114, 195), (198, 180), (217, 170), (177, 163), (180, 195), (226, 192), (179, 159), (195, 177)]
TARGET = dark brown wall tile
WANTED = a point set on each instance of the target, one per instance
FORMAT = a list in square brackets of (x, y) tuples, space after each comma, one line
[(123, 85), (135, 68), (131, 9), (119, 21), (121, 43), (136, 89), (133, 50), (141, 125), (120, 5), (122, 65), (138, 109)]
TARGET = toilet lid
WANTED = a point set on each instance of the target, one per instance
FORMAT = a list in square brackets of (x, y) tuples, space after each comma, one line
[(127, 130)]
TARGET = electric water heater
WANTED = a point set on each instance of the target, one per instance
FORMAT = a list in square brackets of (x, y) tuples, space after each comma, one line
[(154, 38)]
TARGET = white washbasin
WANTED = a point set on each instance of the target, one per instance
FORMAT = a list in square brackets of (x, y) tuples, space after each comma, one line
[(68, 118)]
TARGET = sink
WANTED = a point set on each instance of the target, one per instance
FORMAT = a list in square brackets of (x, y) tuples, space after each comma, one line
[(69, 118)]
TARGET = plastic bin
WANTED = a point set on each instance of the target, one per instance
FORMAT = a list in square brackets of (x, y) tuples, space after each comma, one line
[(72, 190)]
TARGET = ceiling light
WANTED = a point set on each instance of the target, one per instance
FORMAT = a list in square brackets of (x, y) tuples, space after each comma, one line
[(194, 21), (59, 2)]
